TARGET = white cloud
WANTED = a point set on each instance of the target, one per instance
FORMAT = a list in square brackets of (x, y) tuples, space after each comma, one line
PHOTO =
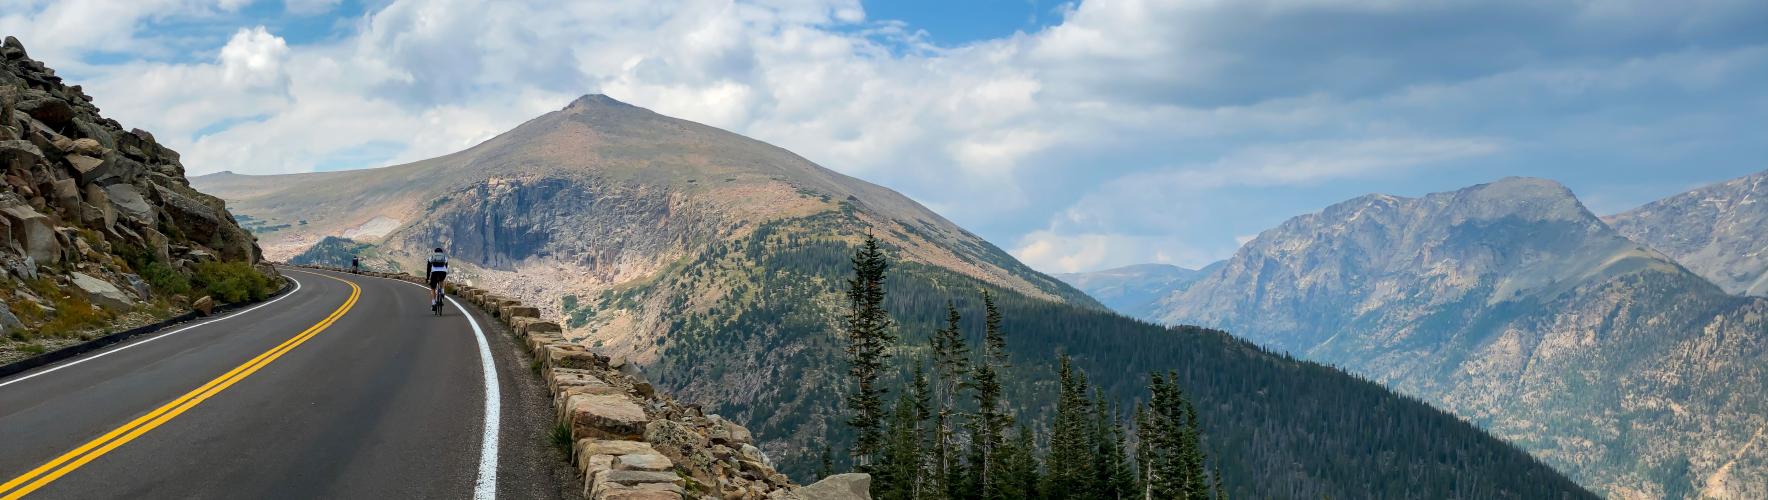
[(254, 58), (1067, 140)]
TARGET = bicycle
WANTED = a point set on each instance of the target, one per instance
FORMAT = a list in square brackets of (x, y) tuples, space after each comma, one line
[(436, 302)]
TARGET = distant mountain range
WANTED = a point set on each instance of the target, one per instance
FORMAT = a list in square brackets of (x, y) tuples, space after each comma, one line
[(716, 263), (1134, 289), (1719, 231), (1513, 306)]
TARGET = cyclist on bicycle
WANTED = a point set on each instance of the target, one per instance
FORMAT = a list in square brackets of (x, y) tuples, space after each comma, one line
[(355, 265), (438, 267)]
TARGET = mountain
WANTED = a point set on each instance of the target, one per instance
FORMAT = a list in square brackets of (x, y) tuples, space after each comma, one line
[(1512, 306), (1132, 290), (717, 264), (1715, 231), (99, 229)]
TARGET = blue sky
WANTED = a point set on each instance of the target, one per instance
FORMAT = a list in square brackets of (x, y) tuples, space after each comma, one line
[(1078, 135)]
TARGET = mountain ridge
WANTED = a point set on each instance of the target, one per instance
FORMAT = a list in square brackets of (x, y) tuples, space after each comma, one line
[(1512, 305), (1714, 230)]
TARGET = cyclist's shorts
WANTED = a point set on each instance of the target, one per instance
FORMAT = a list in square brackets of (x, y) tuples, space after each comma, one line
[(436, 277)]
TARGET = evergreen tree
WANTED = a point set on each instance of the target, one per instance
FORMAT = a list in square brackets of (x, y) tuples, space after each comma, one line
[(1168, 452), (988, 426), (1114, 479), (951, 357), (898, 471), (1019, 474), (1072, 437), (869, 339), (922, 394), (826, 466)]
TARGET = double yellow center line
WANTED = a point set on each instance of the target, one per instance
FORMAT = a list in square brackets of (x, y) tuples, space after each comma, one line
[(68, 462)]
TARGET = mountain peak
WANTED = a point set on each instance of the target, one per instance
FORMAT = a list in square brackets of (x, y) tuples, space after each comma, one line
[(594, 101)]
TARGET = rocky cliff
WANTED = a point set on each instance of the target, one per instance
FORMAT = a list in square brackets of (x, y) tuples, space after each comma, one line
[(98, 225), (1511, 305), (1716, 231)]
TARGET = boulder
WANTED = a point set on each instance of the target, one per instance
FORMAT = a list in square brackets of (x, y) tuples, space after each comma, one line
[(32, 232), (634, 477), (129, 203), (67, 194), (609, 416), (45, 107), (84, 146), (88, 169), (855, 486), (101, 292), (8, 322), (18, 156), (728, 433), (204, 306)]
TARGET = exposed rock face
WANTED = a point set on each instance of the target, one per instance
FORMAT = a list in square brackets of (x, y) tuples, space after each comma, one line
[(1512, 306), (1716, 231), (81, 191)]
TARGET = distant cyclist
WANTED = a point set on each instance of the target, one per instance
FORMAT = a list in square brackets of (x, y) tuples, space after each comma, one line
[(355, 265), (438, 267)]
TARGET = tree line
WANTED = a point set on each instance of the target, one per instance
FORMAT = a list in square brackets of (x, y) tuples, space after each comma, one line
[(950, 433)]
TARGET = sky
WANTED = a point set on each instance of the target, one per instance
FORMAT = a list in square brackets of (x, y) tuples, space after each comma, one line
[(1076, 135)]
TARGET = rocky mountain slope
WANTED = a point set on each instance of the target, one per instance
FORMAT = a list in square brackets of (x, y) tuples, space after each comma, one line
[(715, 263), (98, 226), (1511, 305), (1133, 290), (1716, 231)]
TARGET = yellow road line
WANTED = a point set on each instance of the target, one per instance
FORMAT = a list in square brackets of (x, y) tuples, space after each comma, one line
[(128, 432)]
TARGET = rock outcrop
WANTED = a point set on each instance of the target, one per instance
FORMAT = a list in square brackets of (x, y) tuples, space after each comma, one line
[(88, 203)]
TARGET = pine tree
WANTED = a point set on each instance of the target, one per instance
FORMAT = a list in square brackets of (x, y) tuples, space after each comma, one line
[(1169, 452), (898, 470), (1071, 438), (989, 424), (826, 466), (869, 339), (922, 394), (1019, 474), (1114, 479), (951, 365)]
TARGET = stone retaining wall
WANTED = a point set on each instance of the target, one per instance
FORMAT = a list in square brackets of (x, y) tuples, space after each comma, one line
[(632, 443)]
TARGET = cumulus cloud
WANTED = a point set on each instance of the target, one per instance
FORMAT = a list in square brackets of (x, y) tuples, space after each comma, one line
[(1112, 136)]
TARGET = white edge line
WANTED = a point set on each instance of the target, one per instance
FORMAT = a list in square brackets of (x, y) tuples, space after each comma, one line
[(485, 486), (150, 339)]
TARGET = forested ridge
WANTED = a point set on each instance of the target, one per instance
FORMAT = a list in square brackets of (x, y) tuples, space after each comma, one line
[(761, 312)]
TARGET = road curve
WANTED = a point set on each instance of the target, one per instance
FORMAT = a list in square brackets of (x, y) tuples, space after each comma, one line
[(347, 387)]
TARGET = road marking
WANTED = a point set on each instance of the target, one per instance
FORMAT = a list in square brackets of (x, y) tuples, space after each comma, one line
[(485, 486), (68, 462), (150, 339)]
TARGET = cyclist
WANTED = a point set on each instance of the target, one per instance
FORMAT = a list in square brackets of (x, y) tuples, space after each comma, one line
[(355, 265), (438, 267)]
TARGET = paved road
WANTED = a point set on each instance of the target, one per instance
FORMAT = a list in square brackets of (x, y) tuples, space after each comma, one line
[(346, 387)]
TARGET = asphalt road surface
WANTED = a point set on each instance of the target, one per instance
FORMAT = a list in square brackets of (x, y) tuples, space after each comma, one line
[(346, 387)]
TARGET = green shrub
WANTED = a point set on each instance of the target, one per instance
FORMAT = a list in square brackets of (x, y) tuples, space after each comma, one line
[(231, 281), (165, 279)]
